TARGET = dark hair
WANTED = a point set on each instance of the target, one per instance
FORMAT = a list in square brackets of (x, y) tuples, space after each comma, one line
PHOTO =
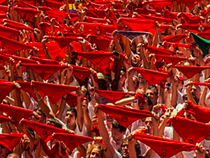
[(40, 110), (115, 124), (153, 87), (149, 99), (55, 121), (73, 110)]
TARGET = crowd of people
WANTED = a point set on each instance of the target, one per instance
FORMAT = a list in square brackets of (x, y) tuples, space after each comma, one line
[(104, 78)]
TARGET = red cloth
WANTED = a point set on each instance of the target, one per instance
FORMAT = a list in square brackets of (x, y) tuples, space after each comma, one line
[(6, 88), (156, 18), (158, 5), (123, 115), (95, 20), (165, 148), (190, 71), (112, 96), (4, 119), (27, 13), (101, 42), (161, 51), (176, 44), (25, 4), (169, 59), (168, 14), (63, 41), (43, 130), (10, 140), (88, 27), (72, 99), (59, 15), (44, 70), (189, 4), (152, 77), (47, 28), (205, 35), (45, 61), (137, 24), (22, 59), (26, 86), (74, 17), (106, 30), (17, 113), (146, 11), (8, 32), (53, 4), (198, 130), (51, 153), (80, 73), (3, 9), (16, 25), (13, 46), (196, 27), (72, 140), (54, 91), (174, 38), (3, 58), (163, 27), (191, 19)]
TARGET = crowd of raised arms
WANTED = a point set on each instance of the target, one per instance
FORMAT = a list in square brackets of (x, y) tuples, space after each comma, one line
[(104, 79)]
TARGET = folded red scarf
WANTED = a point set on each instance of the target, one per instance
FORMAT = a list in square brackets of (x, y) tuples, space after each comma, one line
[(168, 14), (63, 41), (8, 32), (101, 42), (10, 140), (95, 20), (51, 153), (4, 119), (3, 58), (123, 115), (158, 5), (176, 44), (198, 130), (174, 38), (25, 4), (152, 77), (54, 91), (189, 4), (3, 9), (146, 11), (44, 70), (196, 27), (27, 13), (112, 96), (46, 27), (156, 18), (165, 148), (45, 61), (106, 30), (72, 140), (6, 88), (16, 25), (80, 73), (191, 19), (13, 46), (53, 4), (89, 28), (43, 130), (190, 71), (161, 51), (59, 15), (72, 99), (17, 113), (169, 59)]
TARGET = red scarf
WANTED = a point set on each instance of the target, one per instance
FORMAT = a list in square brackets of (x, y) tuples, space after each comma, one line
[(156, 18), (174, 38), (17, 25), (168, 14), (6, 88), (146, 11), (45, 61), (101, 42), (205, 35), (195, 27), (4, 119), (160, 51), (72, 99), (95, 20), (27, 13), (53, 4), (8, 32), (191, 19), (63, 41), (106, 30), (158, 5), (169, 59), (80, 73)]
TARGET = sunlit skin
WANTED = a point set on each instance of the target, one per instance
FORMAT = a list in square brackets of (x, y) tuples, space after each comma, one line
[(70, 120)]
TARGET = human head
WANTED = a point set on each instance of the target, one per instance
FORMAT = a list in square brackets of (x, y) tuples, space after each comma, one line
[(41, 115), (95, 151), (117, 131), (135, 60), (103, 82), (70, 118), (152, 92), (146, 103), (53, 122), (12, 155)]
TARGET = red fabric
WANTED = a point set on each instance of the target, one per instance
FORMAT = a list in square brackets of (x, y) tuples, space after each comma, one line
[(10, 140), (4, 119), (163, 27), (43, 130), (137, 24), (201, 113), (156, 18), (72, 99), (72, 140), (112, 96), (45, 61), (13, 46), (54, 91), (169, 59), (63, 41), (190, 71), (25, 4), (152, 77), (16, 25), (53, 153), (123, 115), (27, 13), (74, 17), (106, 30), (3, 58), (158, 5), (205, 12), (6, 88), (162, 51), (176, 44), (198, 130), (146, 11), (205, 35), (26, 86), (191, 19), (44, 70), (52, 47), (95, 20), (168, 14), (80, 73), (53, 4), (174, 38), (165, 148), (22, 59), (59, 15), (17, 113), (88, 27), (189, 4), (101, 42), (3, 9), (180, 113), (47, 28), (196, 27), (200, 84)]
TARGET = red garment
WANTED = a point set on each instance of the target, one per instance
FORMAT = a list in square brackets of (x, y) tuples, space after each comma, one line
[(72, 99), (195, 27), (10, 140), (198, 130), (26, 86), (137, 24), (13, 46), (80, 73), (168, 14), (95, 20), (106, 30), (152, 77), (27, 13), (43, 130), (8, 32), (190, 71), (158, 5), (161, 51), (63, 41), (17, 113), (72, 140), (54, 91), (53, 4), (146, 11), (16, 25), (174, 38), (156, 18), (112, 96), (123, 115), (205, 12), (44, 70), (165, 148), (6, 88), (101, 42), (169, 59)]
